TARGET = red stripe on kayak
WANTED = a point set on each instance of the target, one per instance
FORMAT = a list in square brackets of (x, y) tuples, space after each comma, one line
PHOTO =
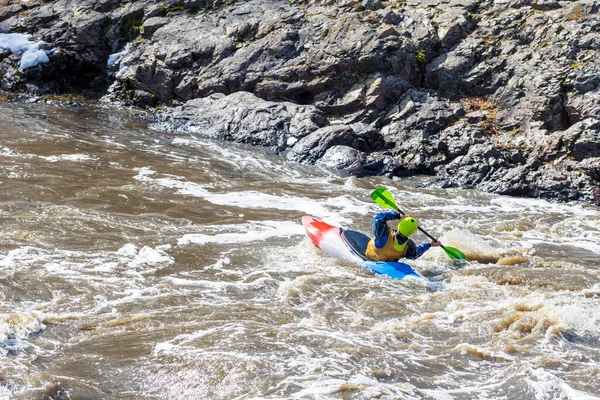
[(316, 229)]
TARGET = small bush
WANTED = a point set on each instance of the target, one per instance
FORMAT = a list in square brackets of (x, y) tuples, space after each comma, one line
[(420, 55)]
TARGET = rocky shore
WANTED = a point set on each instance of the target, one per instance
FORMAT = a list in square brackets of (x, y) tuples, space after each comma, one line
[(503, 96)]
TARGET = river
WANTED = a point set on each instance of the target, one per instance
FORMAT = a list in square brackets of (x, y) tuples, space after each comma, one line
[(140, 264)]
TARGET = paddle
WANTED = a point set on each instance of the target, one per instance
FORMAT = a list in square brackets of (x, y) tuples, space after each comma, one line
[(386, 200)]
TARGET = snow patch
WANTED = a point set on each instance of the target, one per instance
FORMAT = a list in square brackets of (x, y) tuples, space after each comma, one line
[(31, 55), (115, 60)]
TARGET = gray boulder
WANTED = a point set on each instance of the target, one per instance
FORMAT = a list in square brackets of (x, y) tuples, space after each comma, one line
[(151, 25), (243, 117), (312, 147)]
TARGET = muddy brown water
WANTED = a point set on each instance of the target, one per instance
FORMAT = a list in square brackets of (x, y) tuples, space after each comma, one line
[(140, 264)]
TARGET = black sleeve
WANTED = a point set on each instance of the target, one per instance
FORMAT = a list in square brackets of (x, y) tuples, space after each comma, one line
[(411, 250)]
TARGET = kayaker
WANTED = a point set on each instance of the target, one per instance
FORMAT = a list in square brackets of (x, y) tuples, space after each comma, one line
[(391, 245)]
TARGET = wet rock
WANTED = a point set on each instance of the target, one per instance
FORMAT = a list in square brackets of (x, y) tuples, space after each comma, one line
[(376, 164), (245, 118), (144, 98), (418, 111), (476, 117), (413, 126), (151, 25), (587, 144), (456, 140), (545, 5), (272, 49), (480, 161), (10, 10), (11, 77), (375, 92), (4, 53), (57, 392), (596, 195), (154, 76), (195, 5), (312, 147), (159, 10), (372, 4), (339, 157)]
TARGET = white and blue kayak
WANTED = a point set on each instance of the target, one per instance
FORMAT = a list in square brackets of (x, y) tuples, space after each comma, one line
[(351, 246)]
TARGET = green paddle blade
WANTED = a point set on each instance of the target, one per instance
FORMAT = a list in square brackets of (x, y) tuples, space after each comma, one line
[(384, 198), (454, 254)]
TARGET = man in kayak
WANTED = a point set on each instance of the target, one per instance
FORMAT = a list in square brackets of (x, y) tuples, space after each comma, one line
[(391, 245)]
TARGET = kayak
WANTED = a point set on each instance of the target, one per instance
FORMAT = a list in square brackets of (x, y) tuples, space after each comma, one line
[(351, 245)]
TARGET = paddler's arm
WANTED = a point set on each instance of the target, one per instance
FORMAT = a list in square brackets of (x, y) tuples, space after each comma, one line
[(422, 249), (413, 252), (380, 228)]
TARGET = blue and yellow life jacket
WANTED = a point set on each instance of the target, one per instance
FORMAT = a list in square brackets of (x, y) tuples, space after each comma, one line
[(392, 251)]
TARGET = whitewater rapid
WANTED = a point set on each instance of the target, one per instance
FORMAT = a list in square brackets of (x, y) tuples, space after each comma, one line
[(137, 263)]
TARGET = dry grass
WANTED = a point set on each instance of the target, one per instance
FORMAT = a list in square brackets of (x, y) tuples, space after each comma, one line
[(7, 96), (490, 108), (576, 14), (477, 104), (64, 98)]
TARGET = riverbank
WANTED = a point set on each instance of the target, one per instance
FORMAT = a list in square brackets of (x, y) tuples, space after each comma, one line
[(499, 96)]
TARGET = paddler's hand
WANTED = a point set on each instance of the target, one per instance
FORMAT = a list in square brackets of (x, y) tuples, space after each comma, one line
[(435, 243)]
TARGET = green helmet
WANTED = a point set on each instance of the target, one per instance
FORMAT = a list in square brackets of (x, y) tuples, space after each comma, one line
[(408, 226)]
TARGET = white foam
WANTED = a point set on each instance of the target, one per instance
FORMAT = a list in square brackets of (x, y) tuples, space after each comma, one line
[(18, 326), (6, 393), (323, 386), (145, 256), (172, 182), (143, 173), (503, 204), (580, 232), (332, 207), (246, 233), (594, 247), (128, 250), (8, 152), (150, 256), (549, 386), (68, 157), (438, 394), (131, 295), (23, 254), (179, 342), (580, 315), (255, 199), (180, 140), (222, 261), (539, 206)]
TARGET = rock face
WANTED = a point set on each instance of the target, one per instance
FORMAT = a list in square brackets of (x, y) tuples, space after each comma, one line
[(503, 96), (245, 118)]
